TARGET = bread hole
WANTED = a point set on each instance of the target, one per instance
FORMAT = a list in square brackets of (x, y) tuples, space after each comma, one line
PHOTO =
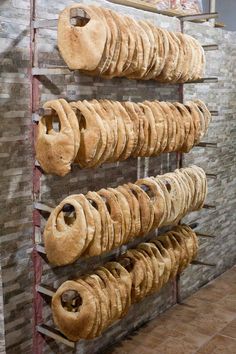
[(68, 208), (82, 122), (134, 193), (107, 204), (127, 263), (56, 124), (93, 203), (79, 17), (69, 214), (108, 208), (148, 191), (71, 300), (168, 186), (144, 188), (162, 243), (188, 108), (53, 124), (162, 252), (200, 109), (116, 273)]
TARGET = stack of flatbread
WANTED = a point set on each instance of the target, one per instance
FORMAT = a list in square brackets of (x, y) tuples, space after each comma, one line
[(91, 224), (113, 45), (85, 307), (98, 131)]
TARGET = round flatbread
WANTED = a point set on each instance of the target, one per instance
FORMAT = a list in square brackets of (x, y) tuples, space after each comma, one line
[(81, 46)]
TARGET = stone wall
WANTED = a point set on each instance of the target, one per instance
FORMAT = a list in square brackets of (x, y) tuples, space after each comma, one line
[(16, 175), (221, 160), (2, 329), (17, 161)]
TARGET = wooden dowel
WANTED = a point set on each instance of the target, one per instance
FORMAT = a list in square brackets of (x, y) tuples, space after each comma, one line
[(55, 334), (36, 71), (197, 17), (43, 207), (45, 23), (49, 111), (207, 206), (40, 249), (210, 47), (204, 235), (45, 290), (203, 263), (203, 80), (207, 144), (211, 175), (194, 225)]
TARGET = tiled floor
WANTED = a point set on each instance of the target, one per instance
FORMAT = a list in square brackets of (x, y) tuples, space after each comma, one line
[(204, 324)]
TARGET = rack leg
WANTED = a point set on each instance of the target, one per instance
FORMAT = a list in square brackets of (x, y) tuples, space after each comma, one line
[(212, 8)]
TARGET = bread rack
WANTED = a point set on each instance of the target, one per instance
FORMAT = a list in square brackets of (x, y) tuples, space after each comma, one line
[(39, 254), (46, 293)]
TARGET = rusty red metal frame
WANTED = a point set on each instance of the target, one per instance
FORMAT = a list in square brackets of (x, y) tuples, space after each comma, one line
[(179, 164), (38, 339)]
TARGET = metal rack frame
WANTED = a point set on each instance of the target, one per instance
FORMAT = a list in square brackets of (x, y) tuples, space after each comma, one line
[(39, 253)]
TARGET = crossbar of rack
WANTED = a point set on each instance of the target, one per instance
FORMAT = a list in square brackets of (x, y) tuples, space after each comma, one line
[(197, 17), (49, 111), (200, 234), (54, 334), (203, 263)]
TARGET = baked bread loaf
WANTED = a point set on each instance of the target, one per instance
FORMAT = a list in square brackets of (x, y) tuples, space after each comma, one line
[(108, 131), (91, 224), (57, 150), (85, 307), (109, 44)]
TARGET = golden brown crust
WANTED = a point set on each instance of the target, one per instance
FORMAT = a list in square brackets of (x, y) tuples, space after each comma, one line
[(113, 45)]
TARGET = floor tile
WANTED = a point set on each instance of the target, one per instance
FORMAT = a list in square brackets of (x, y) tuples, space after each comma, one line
[(219, 345), (205, 323), (174, 346), (230, 329)]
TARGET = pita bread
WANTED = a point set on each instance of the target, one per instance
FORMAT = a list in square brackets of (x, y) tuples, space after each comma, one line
[(116, 215), (134, 210), (81, 47), (164, 257), (55, 151), (111, 45), (65, 237), (100, 243), (125, 208), (146, 209), (74, 325), (157, 199)]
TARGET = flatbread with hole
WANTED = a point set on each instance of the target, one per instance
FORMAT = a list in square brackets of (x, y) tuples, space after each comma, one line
[(74, 325), (65, 238), (56, 151), (81, 47)]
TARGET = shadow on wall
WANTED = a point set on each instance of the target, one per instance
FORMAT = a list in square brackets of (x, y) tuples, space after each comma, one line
[(11, 58), (16, 160)]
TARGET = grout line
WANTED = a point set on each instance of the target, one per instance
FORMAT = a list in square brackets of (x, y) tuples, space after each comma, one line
[(224, 335)]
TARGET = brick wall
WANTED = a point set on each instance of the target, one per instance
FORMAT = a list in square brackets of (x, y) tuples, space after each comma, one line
[(221, 160), (2, 331), (16, 174)]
